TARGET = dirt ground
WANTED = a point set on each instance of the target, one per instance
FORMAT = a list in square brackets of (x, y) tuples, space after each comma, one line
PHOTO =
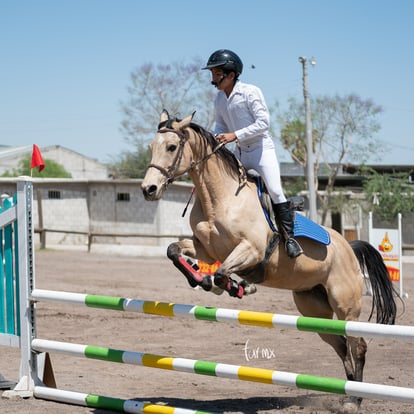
[(388, 361)]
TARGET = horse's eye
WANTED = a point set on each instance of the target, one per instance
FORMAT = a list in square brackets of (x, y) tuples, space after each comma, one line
[(171, 147)]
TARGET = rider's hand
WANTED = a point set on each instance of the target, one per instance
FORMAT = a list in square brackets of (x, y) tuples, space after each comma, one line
[(226, 138)]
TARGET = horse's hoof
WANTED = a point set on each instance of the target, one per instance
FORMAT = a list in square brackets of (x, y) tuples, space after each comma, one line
[(350, 405), (208, 285), (349, 408), (248, 289), (220, 281), (216, 290)]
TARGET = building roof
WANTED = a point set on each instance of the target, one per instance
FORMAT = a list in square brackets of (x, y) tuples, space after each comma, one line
[(78, 165)]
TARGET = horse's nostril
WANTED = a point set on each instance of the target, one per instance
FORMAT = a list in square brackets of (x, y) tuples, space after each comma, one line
[(149, 190), (152, 189)]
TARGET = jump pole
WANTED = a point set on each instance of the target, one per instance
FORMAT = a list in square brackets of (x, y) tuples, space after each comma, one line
[(243, 373), (108, 403), (242, 317)]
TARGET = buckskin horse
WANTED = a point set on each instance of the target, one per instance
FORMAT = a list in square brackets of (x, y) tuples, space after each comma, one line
[(229, 226)]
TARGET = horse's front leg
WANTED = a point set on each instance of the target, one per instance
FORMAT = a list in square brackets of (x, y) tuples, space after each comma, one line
[(192, 248), (188, 268), (244, 256)]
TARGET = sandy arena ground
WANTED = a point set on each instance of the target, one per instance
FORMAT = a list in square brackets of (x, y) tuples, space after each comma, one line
[(388, 362)]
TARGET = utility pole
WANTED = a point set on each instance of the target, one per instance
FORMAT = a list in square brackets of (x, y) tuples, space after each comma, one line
[(310, 173)]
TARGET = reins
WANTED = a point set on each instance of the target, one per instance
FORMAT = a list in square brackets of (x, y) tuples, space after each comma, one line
[(170, 172)]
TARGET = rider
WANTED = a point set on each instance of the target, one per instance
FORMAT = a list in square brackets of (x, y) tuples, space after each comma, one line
[(241, 115)]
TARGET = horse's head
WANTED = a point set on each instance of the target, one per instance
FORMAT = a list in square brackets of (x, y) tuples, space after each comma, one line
[(170, 158)]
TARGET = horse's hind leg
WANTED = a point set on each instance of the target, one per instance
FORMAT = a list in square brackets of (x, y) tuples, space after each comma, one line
[(358, 348), (351, 350), (314, 303)]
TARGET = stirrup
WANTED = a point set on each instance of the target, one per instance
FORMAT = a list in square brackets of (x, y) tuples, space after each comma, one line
[(293, 248)]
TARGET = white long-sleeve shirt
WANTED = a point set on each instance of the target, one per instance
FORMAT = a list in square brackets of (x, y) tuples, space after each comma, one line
[(245, 113)]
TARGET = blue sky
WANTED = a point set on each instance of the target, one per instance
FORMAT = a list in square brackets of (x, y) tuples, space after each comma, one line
[(65, 64)]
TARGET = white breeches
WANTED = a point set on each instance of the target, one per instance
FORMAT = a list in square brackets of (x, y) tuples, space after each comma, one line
[(264, 161)]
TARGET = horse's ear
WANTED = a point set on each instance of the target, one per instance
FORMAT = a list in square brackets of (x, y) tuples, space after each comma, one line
[(165, 116), (186, 121)]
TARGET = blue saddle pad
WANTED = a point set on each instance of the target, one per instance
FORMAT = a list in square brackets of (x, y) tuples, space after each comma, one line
[(305, 227)]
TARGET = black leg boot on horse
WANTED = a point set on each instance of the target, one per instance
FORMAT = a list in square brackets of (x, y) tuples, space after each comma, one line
[(284, 218), (189, 268)]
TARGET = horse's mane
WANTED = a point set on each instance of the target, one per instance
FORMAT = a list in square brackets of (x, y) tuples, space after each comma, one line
[(228, 158)]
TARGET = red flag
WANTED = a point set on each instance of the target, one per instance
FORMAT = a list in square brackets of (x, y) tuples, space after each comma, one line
[(37, 160)]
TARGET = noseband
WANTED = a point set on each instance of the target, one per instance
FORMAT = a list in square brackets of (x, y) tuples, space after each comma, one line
[(169, 172)]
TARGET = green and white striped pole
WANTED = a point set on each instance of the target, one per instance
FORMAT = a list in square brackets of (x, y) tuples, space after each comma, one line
[(242, 317), (243, 373), (108, 403)]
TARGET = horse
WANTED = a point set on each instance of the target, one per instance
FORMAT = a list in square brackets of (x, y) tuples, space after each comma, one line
[(229, 226)]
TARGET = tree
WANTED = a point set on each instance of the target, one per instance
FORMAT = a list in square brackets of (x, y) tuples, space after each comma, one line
[(132, 164), (388, 194), (343, 131), (180, 88), (52, 169)]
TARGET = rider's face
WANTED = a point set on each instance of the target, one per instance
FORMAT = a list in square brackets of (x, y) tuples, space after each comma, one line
[(220, 80)]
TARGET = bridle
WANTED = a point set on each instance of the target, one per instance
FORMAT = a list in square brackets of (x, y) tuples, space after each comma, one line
[(170, 172)]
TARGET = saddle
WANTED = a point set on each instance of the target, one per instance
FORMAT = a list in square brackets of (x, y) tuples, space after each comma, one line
[(303, 227)]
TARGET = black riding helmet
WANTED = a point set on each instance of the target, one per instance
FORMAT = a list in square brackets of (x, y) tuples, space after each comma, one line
[(227, 60)]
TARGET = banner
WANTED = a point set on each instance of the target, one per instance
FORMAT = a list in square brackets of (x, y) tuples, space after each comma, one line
[(388, 243)]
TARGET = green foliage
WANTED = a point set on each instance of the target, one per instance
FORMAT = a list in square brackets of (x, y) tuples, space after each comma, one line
[(293, 186), (338, 201), (132, 164), (343, 130), (52, 169), (293, 137), (388, 194)]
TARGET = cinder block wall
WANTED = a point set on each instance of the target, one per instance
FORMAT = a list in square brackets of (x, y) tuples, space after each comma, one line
[(118, 207)]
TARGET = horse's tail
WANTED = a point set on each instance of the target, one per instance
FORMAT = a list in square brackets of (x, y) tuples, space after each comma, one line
[(383, 292)]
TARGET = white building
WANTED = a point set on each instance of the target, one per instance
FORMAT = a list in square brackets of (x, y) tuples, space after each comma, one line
[(80, 166), (106, 213)]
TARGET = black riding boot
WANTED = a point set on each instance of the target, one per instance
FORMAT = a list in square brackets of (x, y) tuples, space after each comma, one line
[(284, 220)]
